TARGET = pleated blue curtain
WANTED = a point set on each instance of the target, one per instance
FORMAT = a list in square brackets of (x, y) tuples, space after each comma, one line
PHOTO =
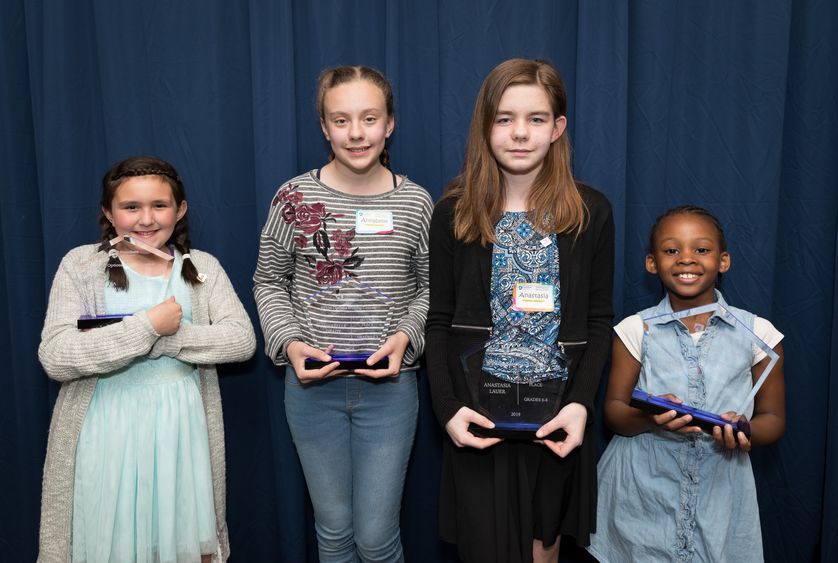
[(727, 105)]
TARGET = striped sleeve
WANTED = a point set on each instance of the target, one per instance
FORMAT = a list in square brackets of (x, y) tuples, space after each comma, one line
[(413, 322), (272, 286)]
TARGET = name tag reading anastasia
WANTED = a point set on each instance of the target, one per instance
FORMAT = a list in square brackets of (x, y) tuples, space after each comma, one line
[(378, 222), (533, 297)]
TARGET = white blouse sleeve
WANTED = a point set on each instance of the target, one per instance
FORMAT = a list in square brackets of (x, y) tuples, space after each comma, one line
[(766, 331), (630, 331)]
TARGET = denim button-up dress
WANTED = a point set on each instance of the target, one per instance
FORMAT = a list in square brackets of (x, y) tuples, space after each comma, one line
[(665, 496)]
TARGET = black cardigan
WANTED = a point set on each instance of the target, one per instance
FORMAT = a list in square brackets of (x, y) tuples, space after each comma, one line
[(460, 289)]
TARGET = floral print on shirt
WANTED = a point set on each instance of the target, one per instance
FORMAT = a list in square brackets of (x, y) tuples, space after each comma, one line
[(339, 258)]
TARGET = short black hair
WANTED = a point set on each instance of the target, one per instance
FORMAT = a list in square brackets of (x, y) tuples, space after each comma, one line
[(687, 210)]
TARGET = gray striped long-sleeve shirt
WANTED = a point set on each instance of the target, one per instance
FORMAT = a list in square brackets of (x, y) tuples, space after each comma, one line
[(322, 280)]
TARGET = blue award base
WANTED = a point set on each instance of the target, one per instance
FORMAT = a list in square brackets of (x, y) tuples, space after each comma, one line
[(705, 420), (349, 361), (515, 431), (91, 321), (518, 410)]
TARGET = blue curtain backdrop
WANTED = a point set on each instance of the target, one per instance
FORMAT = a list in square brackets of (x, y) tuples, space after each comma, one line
[(730, 105)]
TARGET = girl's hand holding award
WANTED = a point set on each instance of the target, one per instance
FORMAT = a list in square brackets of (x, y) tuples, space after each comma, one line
[(351, 321), (571, 419), (297, 353), (393, 349), (673, 421), (729, 438), (458, 429), (165, 317)]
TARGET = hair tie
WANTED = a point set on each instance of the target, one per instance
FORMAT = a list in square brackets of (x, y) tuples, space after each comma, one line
[(113, 253), (187, 256)]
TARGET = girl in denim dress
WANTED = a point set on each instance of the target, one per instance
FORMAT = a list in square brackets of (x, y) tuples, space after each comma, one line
[(667, 490)]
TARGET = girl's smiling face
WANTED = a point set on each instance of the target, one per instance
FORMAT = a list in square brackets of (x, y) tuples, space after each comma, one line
[(688, 257), (144, 207), (356, 124)]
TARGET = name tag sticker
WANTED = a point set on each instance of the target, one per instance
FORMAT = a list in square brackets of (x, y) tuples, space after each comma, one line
[(533, 297), (369, 222)]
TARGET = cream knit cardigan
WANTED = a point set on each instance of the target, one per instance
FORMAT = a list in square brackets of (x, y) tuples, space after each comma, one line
[(221, 331)]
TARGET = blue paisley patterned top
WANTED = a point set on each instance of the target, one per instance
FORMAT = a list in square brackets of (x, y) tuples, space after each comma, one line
[(522, 349)]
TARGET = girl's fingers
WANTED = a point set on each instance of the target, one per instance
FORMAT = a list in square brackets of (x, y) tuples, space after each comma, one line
[(379, 354), (744, 441), (393, 369), (457, 428), (664, 417), (317, 354), (473, 441), (558, 448), (564, 447), (679, 422), (375, 373), (548, 428), (308, 375), (730, 439), (466, 438), (480, 420)]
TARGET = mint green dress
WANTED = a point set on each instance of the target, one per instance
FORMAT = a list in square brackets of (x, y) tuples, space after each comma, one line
[(143, 483)]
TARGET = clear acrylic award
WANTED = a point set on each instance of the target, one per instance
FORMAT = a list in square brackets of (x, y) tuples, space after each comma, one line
[(353, 317), (704, 419), (518, 401)]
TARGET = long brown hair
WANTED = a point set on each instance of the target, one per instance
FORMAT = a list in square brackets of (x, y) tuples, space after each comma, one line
[(115, 177), (338, 75), (554, 202)]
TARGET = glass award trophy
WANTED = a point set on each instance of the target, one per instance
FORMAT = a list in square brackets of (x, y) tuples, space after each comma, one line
[(516, 380), (706, 420), (353, 317)]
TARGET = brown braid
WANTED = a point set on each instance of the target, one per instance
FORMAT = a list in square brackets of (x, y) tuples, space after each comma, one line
[(180, 240), (116, 274), (115, 177)]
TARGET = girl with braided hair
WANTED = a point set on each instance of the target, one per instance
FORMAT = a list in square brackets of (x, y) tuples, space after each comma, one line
[(352, 223), (135, 460)]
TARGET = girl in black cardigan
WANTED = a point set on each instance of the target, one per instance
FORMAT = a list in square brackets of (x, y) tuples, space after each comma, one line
[(515, 214)]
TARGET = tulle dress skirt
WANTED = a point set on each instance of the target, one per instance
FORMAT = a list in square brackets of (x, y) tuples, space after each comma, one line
[(143, 480)]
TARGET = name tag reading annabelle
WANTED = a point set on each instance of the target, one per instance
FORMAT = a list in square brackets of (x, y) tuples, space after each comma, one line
[(533, 297), (373, 222)]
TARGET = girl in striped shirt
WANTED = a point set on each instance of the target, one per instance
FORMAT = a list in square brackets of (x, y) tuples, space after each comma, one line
[(343, 269)]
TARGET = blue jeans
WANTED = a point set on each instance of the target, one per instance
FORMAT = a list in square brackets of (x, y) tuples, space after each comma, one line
[(354, 436)]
